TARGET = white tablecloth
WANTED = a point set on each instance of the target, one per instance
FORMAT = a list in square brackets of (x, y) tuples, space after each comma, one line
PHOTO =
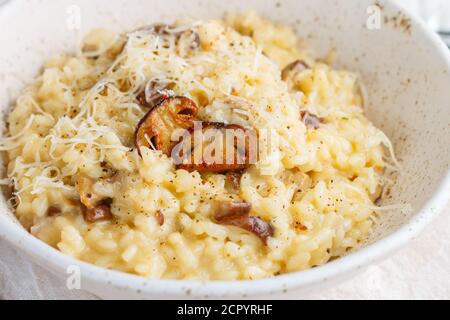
[(422, 270)]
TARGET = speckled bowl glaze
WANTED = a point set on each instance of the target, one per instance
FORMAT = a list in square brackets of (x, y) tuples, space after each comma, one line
[(406, 70)]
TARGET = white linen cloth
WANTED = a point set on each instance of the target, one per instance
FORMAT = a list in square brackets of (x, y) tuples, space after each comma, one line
[(421, 271)]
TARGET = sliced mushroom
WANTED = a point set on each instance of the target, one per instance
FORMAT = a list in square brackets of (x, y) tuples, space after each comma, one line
[(53, 211), (237, 214), (230, 209), (233, 180), (97, 212), (156, 93), (216, 147), (255, 225), (158, 125), (311, 120), (294, 68)]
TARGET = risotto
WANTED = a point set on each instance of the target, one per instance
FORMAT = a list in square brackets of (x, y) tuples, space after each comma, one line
[(91, 163)]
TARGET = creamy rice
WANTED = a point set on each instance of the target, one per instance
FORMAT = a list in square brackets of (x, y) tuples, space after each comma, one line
[(316, 187)]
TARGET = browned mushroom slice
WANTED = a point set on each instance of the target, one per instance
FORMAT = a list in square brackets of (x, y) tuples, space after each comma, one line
[(237, 214), (156, 93), (216, 147), (97, 212), (233, 180), (53, 211), (229, 209), (294, 68), (158, 125), (255, 225), (311, 120), (152, 100)]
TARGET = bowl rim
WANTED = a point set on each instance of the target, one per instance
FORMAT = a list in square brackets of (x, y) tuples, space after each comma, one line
[(56, 261)]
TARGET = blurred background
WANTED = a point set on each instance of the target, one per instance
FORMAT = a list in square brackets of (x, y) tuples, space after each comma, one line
[(435, 13)]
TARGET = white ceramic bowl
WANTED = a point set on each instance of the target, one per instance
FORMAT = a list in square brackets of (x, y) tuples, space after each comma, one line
[(406, 70)]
